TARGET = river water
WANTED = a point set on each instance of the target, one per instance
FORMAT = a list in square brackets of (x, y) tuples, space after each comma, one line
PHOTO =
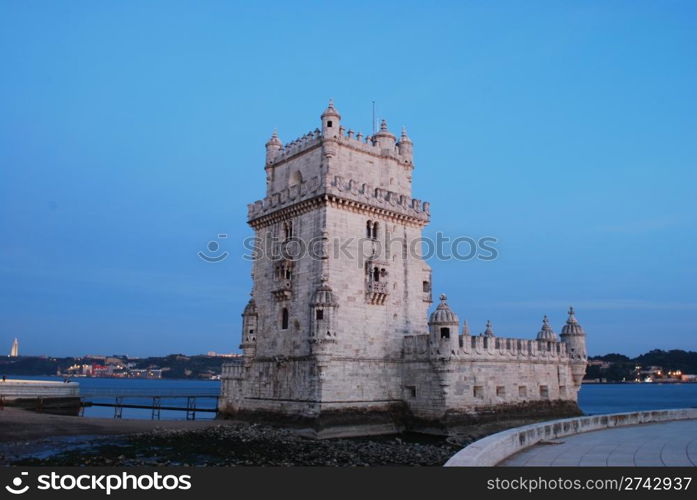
[(593, 398)]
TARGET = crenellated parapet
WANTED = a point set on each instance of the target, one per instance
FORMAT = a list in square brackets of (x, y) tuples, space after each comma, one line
[(483, 348), (293, 148), (388, 200), (361, 194)]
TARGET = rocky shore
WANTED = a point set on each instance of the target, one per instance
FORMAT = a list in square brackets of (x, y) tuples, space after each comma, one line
[(250, 444)]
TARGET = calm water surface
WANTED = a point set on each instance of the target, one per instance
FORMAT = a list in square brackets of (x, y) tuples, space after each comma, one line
[(616, 398), (140, 391), (593, 398)]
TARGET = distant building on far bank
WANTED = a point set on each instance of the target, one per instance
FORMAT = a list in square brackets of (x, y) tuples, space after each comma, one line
[(14, 350)]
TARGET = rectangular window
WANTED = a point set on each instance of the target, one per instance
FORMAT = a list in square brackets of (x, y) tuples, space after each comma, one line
[(544, 392), (410, 390), (320, 313), (501, 391), (522, 391), (478, 391), (284, 319)]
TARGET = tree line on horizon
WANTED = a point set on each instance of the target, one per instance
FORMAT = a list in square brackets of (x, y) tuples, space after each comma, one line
[(620, 367)]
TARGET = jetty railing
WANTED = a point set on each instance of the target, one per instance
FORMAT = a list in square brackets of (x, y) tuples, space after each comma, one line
[(155, 402)]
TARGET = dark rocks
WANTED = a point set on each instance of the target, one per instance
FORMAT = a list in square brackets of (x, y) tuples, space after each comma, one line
[(252, 444)]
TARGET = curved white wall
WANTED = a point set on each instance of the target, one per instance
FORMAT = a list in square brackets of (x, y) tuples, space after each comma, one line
[(493, 449)]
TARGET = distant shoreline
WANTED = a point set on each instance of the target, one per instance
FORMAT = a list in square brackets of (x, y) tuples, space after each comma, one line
[(77, 379)]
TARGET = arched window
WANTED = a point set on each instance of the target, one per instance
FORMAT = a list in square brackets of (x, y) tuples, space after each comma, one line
[(445, 332), (284, 319), (375, 231), (376, 274), (369, 229)]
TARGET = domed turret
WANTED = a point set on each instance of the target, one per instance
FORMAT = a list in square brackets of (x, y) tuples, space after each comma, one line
[(405, 147), (572, 326), (443, 314), (546, 333), (574, 337), (489, 332), (273, 147), (443, 325), (331, 121), (384, 138), (324, 296), (250, 309)]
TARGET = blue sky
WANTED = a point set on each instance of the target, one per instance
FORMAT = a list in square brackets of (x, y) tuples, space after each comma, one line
[(132, 133)]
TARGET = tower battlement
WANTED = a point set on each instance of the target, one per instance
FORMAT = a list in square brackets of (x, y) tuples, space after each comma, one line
[(357, 141), (482, 348), (389, 202)]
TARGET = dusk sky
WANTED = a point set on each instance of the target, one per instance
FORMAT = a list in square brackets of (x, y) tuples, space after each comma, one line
[(132, 134)]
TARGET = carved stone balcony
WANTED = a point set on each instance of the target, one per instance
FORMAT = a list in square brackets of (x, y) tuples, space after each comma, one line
[(284, 292), (377, 292)]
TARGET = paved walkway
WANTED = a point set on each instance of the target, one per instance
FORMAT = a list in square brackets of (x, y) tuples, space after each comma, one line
[(663, 444)]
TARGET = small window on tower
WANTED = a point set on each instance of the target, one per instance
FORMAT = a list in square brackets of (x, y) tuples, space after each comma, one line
[(329, 123), (287, 230), (445, 333), (284, 319), (427, 286), (320, 313)]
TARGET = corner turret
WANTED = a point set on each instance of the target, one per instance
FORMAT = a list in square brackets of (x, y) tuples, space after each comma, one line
[(406, 147), (249, 330), (575, 338), (331, 121), (273, 148), (443, 325)]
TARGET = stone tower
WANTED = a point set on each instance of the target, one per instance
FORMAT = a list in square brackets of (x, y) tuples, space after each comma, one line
[(338, 275), (335, 337)]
